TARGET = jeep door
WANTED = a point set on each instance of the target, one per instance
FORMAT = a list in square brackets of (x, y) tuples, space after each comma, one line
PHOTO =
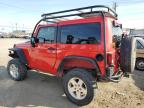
[(43, 55)]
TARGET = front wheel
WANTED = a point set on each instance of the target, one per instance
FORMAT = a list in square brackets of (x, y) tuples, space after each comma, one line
[(17, 70), (79, 86)]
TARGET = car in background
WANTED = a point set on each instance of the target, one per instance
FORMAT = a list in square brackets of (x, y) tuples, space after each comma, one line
[(137, 33), (140, 54), (1, 35)]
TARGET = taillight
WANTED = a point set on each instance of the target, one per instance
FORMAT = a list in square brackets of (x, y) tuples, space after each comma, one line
[(109, 59)]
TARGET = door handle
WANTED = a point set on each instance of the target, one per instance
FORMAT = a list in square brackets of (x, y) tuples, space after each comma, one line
[(51, 48)]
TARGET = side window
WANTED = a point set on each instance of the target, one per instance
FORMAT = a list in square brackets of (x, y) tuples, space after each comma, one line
[(46, 34), (139, 45), (89, 33)]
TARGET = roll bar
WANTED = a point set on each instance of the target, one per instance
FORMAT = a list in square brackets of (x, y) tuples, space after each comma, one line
[(79, 12)]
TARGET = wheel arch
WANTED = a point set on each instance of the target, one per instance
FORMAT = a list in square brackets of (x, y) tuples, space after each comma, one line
[(18, 53), (136, 64), (70, 59)]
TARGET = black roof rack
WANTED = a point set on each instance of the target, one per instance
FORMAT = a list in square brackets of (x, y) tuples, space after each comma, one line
[(79, 12)]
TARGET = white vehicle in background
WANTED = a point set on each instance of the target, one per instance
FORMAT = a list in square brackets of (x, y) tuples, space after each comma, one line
[(1, 35), (25, 36), (139, 33)]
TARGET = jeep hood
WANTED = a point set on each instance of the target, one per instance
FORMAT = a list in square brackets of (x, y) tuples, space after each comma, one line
[(23, 45)]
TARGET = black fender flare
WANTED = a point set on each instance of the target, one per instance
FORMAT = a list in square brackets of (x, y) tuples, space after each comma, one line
[(90, 60), (18, 53)]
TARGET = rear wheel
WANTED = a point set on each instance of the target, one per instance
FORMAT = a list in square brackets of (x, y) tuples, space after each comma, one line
[(128, 54), (140, 64), (79, 86), (17, 70)]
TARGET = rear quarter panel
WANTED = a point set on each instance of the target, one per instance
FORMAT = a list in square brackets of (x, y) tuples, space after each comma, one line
[(110, 45)]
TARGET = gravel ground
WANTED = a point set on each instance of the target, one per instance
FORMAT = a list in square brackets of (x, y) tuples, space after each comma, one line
[(42, 91)]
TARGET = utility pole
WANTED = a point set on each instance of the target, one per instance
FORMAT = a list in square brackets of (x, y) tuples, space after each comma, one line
[(115, 6), (23, 27), (16, 26)]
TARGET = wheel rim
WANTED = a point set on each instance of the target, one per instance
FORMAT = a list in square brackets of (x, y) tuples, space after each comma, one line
[(13, 70), (140, 65), (77, 88)]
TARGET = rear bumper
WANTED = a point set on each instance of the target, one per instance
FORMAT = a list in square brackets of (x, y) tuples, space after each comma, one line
[(112, 76)]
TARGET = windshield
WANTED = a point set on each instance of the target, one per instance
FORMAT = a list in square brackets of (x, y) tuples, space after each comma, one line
[(141, 41)]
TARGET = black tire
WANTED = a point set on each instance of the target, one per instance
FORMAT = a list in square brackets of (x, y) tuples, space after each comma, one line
[(128, 54), (89, 82), (139, 64), (21, 74)]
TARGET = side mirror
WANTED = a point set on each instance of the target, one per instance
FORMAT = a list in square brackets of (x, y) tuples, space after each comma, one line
[(33, 41)]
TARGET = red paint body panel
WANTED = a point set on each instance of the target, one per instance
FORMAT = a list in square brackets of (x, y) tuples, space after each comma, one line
[(110, 45), (42, 59)]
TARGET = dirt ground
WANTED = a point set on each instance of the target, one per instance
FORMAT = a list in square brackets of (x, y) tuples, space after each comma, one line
[(42, 91)]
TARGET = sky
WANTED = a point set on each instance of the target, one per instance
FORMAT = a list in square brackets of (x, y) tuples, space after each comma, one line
[(24, 14)]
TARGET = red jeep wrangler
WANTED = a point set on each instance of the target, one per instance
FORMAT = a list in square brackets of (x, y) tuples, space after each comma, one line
[(80, 45)]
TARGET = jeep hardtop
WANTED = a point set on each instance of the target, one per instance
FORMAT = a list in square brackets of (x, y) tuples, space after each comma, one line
[(80, 45)]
